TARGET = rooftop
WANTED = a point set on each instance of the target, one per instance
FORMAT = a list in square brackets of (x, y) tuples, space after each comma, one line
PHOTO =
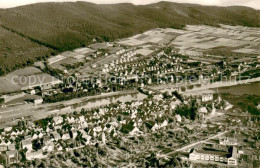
[(212, 152)]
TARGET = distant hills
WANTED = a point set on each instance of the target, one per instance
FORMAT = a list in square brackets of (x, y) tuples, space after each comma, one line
[(34, 32)]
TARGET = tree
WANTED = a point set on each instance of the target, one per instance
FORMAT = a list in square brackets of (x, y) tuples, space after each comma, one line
[(178, 96), (36, 144), (193, 110), (253, 110)]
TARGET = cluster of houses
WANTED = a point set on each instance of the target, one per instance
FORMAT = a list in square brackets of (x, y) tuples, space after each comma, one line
[(63, 133), (124, 58)]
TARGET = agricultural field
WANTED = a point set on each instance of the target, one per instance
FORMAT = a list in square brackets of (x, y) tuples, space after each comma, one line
[(204, 44), (70, 59), (6, 86), (154, 36), (199, 40), (23, 79), (233, 38)]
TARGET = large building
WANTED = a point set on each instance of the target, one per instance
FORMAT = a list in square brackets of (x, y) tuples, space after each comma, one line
[(216, 156)]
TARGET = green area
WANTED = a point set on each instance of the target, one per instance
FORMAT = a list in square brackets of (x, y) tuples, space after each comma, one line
[(2, 100), (255, 73), (187, 110), (244, 102)]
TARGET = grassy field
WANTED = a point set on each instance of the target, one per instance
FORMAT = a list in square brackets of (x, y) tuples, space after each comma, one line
[(244, 102), (40, 30)]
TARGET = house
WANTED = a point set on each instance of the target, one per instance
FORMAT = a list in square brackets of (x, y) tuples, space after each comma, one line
[(65, 136), (164, 124), (174, 104), (3, 147), (49, 147), (135, 131), (56, 136), (228, 141), (35, 136), (34, 155), (203, 110), (82, 119), (32, 92), (8, 129), (38, 101), (46, 139), (26, 144), (71, 120), (97, 129), (258, 106), (40, 135), (74, 134), (11, 157), (28, 137), (228, 106), (207, 97), (11, 147), (178, 118), (59, 148), (155, 127), (58, 120)]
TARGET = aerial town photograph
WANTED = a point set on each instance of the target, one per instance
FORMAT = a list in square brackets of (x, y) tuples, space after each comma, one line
[(130, 83)]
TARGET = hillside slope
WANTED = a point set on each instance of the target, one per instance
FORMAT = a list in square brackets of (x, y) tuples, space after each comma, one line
[(36, 31)]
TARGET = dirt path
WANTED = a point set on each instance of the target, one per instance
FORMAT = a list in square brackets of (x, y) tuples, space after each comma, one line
[(195, 143)]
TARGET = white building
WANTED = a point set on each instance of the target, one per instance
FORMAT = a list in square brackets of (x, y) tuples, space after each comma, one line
[(38, 101), (34, 155), (215, 156), (27, 144), (207, 97), (228, 141)]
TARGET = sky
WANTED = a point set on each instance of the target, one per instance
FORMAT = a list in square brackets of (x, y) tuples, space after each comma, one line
[(250, 3)]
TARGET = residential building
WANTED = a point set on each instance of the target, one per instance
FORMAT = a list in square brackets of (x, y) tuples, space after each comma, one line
[(65, 136), (3, 148), (207, 97), (38, 101), (34, 155), (11, 147), (11, 157), (27, 144), (56, 136)]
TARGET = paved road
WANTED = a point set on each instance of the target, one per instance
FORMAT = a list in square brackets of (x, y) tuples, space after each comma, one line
[(195, 143)]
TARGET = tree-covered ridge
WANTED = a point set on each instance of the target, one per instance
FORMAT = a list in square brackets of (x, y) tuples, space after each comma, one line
[(37, 31)]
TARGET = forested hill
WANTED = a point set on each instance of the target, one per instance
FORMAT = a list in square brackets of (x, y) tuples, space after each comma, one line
[(36, 31)]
